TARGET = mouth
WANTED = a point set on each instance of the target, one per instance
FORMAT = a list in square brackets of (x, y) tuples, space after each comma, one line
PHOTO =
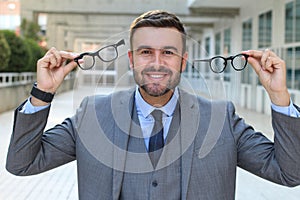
[(156, 76)]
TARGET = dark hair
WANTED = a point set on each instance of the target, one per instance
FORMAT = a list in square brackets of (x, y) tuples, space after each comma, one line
[(159, 19)]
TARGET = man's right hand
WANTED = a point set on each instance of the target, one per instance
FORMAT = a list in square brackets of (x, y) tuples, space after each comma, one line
[(51, 71)]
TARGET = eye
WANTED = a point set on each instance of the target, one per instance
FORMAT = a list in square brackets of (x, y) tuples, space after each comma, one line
[(145, 51), (168, 52)]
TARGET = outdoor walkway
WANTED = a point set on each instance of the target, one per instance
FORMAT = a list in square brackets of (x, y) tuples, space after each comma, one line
[(61, 183)]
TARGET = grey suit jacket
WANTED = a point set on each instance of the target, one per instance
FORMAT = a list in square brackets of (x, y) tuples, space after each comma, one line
[(214, 141)]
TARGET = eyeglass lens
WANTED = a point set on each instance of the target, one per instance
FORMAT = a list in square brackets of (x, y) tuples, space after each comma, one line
[(88, 62), (218, 64), (239, 62), (108, 53)]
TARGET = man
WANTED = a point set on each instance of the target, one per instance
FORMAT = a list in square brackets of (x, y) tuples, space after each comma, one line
[(196, 153)]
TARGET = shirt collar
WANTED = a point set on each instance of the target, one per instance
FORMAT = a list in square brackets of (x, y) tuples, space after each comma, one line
[(145, 109)]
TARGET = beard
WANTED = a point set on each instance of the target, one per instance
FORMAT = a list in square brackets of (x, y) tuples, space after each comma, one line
[(157, 89)]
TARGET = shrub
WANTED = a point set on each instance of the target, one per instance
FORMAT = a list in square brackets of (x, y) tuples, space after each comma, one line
[(20, 55), (4, 53), (36, 52), (30, 30)]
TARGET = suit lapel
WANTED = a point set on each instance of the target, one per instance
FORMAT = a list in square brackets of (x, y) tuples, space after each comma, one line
[(190, 116)]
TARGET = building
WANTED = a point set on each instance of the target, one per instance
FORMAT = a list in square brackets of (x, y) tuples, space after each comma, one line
[(215, 27), (9, 14)]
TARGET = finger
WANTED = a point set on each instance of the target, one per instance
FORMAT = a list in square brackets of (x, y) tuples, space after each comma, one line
[(254, 59), (48, 61), (56, 55), (68, 55), (50, 51), (69, 67), (265, 59), (54, 62), (254, 53), (270, 60), (269, 64), (52, 59)]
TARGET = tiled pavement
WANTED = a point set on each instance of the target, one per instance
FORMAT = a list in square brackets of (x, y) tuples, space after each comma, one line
[(61, 183)]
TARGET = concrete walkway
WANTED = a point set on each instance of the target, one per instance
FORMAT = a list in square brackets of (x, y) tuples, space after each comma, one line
[(61, 183)]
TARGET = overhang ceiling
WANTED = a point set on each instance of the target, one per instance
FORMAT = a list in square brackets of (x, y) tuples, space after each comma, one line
[(206, 12)]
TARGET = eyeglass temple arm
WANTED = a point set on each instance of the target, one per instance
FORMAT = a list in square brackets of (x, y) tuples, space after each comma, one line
[(121, 42), (202, 60)]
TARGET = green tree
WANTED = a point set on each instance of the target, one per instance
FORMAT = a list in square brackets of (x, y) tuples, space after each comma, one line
[(20, 55), (4, 53), (30, 30)]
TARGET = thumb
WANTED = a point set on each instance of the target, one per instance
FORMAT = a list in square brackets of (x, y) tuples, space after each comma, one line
[(69, 67), (256, 65), (70, 63)]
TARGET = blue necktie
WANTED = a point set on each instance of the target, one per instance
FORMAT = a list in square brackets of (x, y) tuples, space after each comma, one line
[(156, 142)]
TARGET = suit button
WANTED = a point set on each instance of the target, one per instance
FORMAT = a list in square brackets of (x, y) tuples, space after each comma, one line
[(154, 183)]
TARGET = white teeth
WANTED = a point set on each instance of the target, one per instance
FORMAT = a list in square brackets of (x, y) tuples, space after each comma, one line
[(157, 76)]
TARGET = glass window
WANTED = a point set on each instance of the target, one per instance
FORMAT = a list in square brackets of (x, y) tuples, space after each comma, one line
[(227, 50), (289, 25), (207, 49), (289, 66), (247, 44), (292, 22), (227, 41), (292, 59), (207, 46), (296, 80), (297, 31), (218, 44), (265, 30), (247, 35)]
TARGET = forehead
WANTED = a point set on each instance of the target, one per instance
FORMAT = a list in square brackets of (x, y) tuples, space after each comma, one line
[(157, 37)]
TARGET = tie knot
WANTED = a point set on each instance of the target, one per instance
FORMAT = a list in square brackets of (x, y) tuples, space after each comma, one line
[(157, 115)]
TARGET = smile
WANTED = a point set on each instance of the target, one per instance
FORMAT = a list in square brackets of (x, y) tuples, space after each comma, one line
[(157, 76)]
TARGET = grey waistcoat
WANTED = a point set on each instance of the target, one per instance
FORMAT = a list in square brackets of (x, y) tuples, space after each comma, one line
[(163, 183)]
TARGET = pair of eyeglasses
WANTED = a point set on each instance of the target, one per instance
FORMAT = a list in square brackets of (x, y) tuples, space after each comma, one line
[(219, 63), (106, 54)]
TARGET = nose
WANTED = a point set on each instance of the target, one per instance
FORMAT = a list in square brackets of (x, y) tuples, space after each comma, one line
[(157, 58)]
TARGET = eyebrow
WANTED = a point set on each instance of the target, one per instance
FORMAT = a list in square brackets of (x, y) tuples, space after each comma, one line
[(149, 47)]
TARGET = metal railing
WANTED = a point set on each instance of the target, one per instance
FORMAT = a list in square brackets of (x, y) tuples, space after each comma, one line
[(9, 79)]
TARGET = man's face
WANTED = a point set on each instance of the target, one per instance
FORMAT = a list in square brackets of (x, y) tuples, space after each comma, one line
[(157, 59)]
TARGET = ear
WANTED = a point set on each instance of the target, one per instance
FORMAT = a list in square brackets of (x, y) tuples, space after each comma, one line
[(130, 56), (184, 61)]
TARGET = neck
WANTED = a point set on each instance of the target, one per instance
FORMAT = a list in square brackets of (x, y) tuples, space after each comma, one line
[(159, 101)]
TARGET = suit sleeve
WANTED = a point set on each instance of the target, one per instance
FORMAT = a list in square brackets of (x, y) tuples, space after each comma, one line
[(32, 151), (276, 161)]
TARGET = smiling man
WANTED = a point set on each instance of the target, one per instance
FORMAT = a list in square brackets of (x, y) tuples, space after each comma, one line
[(156, 141), (157, 58)]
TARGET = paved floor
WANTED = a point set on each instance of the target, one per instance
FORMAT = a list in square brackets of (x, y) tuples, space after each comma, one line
[(61, 183)]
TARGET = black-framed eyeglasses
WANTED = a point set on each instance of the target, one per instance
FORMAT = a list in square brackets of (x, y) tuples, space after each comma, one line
[(218, 63), (106, 54)]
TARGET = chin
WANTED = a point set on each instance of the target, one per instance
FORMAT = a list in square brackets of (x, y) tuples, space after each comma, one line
[(154, 91)]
